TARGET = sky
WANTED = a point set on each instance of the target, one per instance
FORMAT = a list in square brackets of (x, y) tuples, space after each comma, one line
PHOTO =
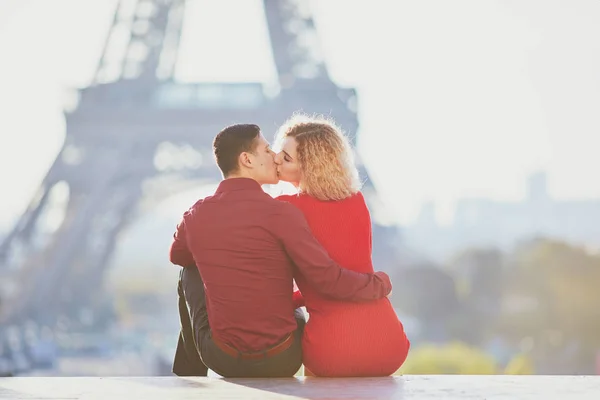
[(456, 99)]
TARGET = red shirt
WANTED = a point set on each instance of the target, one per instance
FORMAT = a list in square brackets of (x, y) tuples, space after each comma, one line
[(343, 338), (248, 247)]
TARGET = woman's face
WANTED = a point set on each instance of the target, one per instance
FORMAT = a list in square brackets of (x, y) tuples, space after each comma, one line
[(288, 166)]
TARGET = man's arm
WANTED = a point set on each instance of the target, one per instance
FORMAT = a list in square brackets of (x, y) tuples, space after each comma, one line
[(179, 253), (318, 268)]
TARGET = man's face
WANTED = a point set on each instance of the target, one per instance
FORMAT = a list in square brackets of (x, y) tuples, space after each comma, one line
[(263, 162)]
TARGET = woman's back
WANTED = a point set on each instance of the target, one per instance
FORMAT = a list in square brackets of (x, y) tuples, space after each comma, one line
[(343, 338)]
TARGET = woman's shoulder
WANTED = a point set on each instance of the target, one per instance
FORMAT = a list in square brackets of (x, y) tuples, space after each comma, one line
[(359, 196), (356, 199)]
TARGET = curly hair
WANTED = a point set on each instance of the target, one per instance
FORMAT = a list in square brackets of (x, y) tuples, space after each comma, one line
[(327, 168)]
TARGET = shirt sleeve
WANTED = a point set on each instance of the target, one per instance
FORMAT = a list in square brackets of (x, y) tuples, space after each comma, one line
[(320, 271), (179, 253)]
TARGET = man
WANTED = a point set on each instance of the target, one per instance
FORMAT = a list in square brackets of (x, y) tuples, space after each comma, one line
[(240, 250)]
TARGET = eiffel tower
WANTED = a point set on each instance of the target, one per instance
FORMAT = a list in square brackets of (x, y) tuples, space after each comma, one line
[(137, 131)]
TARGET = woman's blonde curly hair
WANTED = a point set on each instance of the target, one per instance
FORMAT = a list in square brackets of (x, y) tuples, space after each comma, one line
[(327, 168)]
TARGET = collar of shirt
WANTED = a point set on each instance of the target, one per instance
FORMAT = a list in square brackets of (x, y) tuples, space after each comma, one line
[(232, 184)]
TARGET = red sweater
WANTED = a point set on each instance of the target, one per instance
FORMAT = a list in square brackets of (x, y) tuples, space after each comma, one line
[(345, 338)]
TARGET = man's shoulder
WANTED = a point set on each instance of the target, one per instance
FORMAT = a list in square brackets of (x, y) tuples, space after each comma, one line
[(199, 203), (195, 207)]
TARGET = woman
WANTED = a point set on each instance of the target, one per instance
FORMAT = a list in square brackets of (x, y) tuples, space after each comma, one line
[(341, 339)]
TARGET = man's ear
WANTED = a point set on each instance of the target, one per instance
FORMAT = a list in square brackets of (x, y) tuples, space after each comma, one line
[(245, 160)]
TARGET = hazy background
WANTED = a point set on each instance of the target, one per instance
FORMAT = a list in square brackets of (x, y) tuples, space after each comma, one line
[(457, 100)]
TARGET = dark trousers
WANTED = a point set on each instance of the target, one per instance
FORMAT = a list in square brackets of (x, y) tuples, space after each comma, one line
[(196, 351)]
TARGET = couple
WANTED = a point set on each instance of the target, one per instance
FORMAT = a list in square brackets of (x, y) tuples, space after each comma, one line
[(241, 251)]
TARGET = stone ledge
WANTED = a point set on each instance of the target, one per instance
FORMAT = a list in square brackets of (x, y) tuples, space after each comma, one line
[(446, 387)]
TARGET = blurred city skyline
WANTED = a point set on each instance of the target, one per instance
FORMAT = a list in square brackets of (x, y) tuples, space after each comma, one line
[(455, 99)]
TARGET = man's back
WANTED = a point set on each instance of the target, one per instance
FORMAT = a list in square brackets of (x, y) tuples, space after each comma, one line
[(246, 272), (247, 247)]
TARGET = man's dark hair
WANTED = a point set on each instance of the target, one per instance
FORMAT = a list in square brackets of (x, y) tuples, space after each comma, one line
[(231, 142)]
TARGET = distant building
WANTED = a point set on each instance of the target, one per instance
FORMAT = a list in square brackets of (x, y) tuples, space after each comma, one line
[(480, 222)]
